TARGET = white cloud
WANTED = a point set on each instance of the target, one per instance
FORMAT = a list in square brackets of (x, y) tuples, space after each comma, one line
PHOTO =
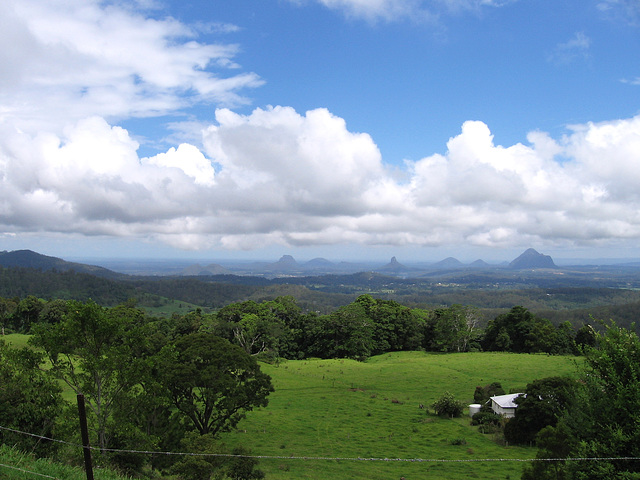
[(62, 61), (576, 48), (275, 176), (391, 10), (290, 179)]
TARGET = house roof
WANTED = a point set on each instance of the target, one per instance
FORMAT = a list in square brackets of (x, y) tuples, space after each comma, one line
[(506, 401)]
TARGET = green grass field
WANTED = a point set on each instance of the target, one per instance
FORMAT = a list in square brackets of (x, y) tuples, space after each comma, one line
[(347, 409), (343, 409)]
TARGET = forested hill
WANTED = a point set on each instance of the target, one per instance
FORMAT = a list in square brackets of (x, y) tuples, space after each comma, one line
[(31, 259)]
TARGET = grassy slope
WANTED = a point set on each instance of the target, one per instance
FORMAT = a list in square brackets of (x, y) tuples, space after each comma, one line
[(342, 408), (349, 409)]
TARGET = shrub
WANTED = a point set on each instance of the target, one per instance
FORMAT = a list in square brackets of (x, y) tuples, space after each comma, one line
[(448, 406), (488, 422)]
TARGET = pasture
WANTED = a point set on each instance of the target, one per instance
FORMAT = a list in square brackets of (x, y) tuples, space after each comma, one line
[(348, 410)]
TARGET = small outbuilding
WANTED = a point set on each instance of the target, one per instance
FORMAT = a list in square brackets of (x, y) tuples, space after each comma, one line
[(505, 404)]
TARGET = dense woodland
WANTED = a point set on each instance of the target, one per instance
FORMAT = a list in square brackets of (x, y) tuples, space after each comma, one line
[(174, 383)]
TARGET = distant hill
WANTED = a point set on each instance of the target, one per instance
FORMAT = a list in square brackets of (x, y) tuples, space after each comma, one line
[(530, 258), (319, 263), (479, 264), (211, 269), (447, 263), (37, 261)]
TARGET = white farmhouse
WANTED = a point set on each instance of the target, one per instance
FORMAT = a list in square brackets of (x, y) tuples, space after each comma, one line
[(504, 404)]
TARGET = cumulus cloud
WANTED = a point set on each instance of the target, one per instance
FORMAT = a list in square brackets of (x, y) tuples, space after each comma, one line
[(287, 178), (276, 175)]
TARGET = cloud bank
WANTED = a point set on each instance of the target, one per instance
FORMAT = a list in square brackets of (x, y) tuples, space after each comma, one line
[(274, 176), (279, 177)]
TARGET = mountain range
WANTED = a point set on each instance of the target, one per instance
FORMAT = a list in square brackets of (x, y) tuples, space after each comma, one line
[(285, 266)]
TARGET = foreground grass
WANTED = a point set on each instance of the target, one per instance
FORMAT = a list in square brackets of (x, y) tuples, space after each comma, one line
[(349, 410), (15, 465)]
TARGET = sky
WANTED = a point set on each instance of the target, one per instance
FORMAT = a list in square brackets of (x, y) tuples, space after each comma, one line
[(344, 129)]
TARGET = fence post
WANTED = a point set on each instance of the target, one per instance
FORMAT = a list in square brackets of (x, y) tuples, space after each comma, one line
[(84, 431)]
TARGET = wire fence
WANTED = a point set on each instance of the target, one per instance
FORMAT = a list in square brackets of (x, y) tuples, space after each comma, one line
[(309, 457)]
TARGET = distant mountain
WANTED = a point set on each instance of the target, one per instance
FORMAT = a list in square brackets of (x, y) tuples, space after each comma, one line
[(393, 267), (37, 261), (530, 258), (211, 269), (447, 263), (286, 264)]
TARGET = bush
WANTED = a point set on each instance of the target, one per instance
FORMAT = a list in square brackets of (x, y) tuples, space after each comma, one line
[(448, 406), (488, 422)]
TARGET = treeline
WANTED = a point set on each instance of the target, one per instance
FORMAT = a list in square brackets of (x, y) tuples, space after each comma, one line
[(368, 326), (322, 294)]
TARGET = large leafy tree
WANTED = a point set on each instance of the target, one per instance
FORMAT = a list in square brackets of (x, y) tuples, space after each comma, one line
[(453, 328), (7, 309), (346, 333), (29, 400), (212, 382), (97, 352), (543, 404), (521, 331)]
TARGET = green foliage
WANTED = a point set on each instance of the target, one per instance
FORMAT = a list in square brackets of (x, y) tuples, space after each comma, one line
[(205, 463), (242, 466), (604, 421), (453, 329), (543, 404), (97, 353), (553, 442), (212, 382), (482, 394), (448, 406), (521, 331), (488, 422), (29, 400), (12, 457)]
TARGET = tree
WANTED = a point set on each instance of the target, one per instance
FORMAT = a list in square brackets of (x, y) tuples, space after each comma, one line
[(448, 406), (608, 424), (212, 382), (552, 442), (395, 327), (7, 309), (483, 394), (519, 331), (346, 333), (97, 353), (544, 402), (27, 313), (29, 400), (453, 328)]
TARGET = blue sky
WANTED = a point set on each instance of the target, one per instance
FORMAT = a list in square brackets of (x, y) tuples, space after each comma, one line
[(336, 128)]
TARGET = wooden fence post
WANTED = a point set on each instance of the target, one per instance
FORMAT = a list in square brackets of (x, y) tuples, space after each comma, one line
[(84, 431)]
